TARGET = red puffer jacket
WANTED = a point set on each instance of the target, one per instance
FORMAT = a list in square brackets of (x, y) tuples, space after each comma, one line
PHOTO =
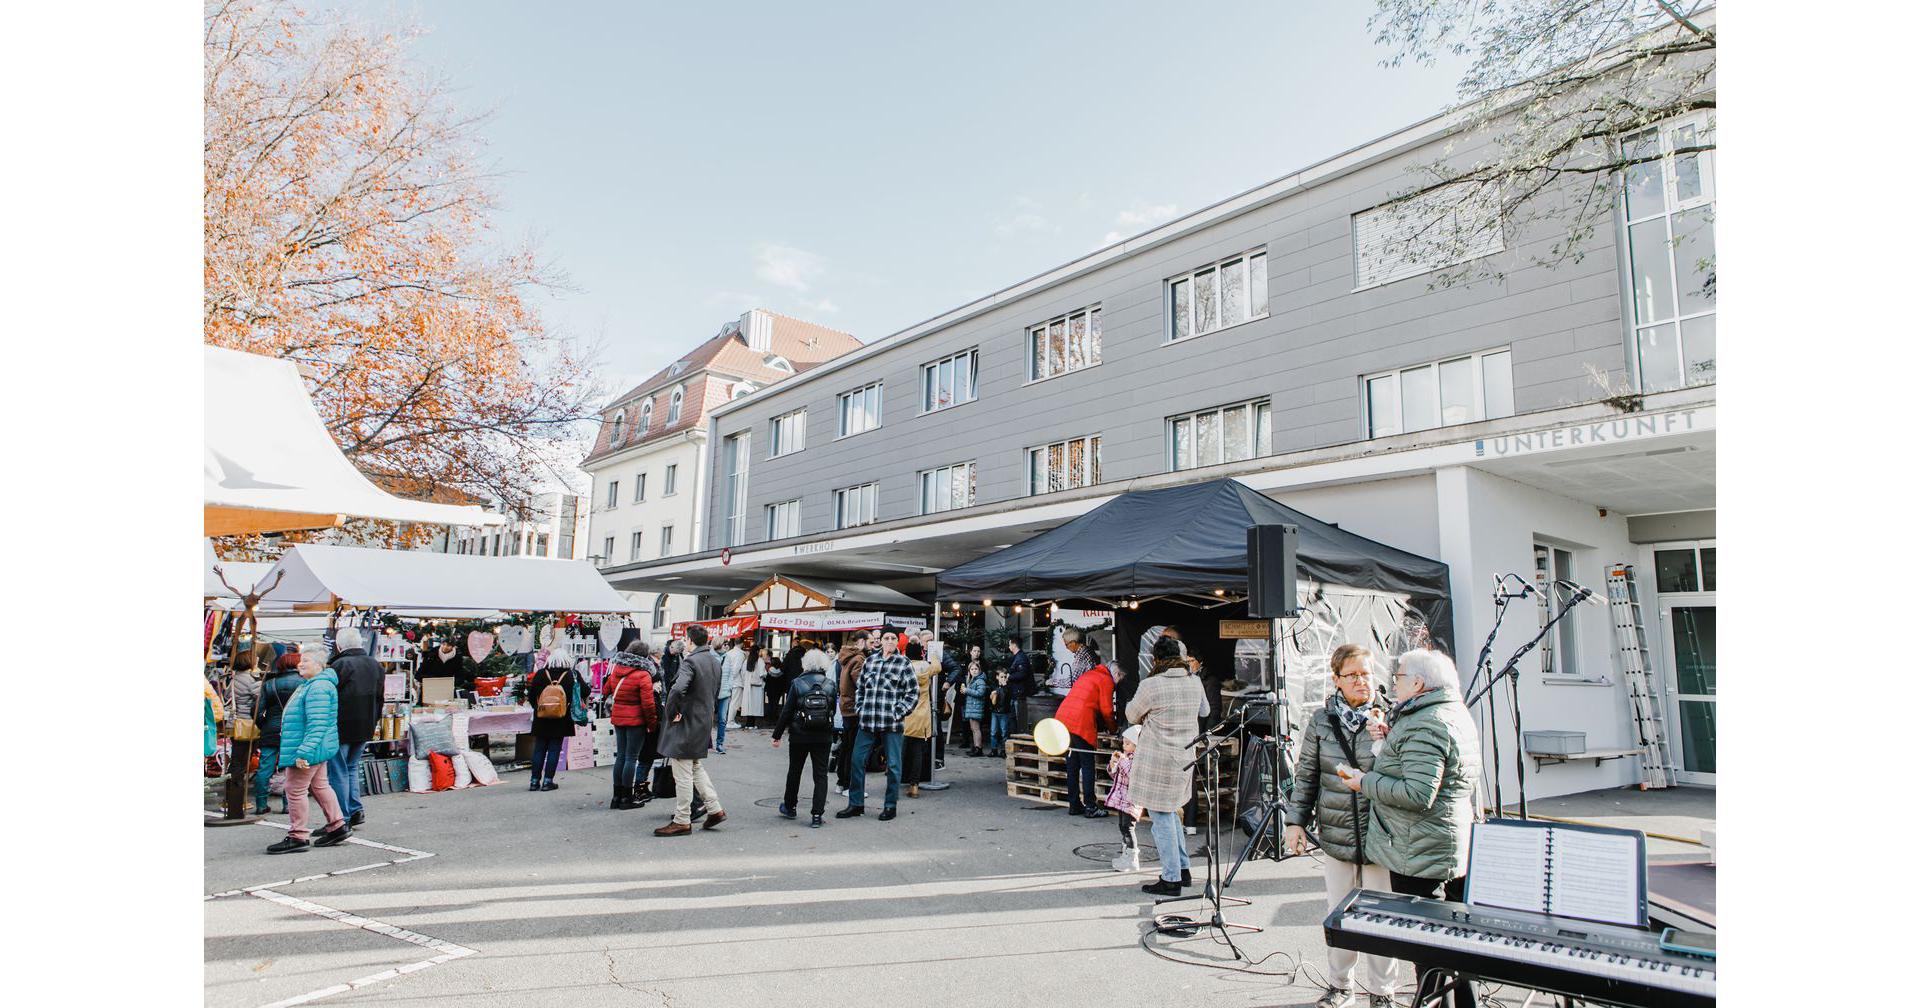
[(1089, 705), (632, 693)]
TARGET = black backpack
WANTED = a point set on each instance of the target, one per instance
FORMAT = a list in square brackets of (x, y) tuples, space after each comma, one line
[(815, 712)]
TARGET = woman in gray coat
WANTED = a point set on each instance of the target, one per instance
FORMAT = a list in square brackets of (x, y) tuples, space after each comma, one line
[(1336, 734)]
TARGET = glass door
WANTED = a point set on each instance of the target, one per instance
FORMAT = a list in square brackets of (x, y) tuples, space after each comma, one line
[(1690, 636)]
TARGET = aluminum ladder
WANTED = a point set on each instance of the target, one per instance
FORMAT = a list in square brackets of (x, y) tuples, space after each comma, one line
[(1643, 693)]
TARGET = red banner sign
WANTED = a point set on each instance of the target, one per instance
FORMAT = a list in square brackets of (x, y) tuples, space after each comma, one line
[(720, 629)]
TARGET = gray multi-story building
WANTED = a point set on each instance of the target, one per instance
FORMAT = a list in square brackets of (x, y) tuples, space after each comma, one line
[(1554, 421)]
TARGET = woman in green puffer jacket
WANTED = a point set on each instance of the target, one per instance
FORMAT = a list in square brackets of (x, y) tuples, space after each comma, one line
[(1337, 735), (1420, 791)]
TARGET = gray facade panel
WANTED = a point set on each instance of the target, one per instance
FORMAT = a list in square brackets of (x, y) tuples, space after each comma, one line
[(1307, 356)]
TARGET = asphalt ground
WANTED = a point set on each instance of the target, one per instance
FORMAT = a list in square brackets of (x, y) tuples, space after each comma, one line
[(970, 896)]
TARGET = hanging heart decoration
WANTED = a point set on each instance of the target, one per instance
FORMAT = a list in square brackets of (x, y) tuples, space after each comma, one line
[(479, 645), (516, 639), (610, 632)]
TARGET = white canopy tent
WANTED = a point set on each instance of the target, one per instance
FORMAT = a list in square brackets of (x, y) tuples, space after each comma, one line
[(319, 577), (271, 466)]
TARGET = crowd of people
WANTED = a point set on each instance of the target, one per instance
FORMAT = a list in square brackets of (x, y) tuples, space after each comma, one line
[(1382, 784)]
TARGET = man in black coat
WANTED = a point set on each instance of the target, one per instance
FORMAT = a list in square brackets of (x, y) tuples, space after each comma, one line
[(812, 724), (362, 690)]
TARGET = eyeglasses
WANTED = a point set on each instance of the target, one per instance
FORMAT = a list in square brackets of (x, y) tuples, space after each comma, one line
[(1352, 676)]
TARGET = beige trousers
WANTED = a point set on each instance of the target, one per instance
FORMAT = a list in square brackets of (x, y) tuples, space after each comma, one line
[(689, 775), (1343, 878)]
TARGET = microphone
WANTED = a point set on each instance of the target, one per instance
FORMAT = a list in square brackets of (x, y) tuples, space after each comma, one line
[(1581, 593)]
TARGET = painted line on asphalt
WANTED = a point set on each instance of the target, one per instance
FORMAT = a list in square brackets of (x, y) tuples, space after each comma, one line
[(445, 951), (411, 855)]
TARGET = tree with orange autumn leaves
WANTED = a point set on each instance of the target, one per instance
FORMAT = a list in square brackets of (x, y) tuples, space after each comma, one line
[(347, 230)]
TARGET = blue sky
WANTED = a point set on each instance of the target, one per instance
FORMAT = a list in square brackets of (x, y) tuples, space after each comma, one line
[(867, 166)]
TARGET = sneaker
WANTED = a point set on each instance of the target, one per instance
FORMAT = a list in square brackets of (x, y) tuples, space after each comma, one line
[(533, 783), (1098, 813), (841, 790), (722, 750), (786, 811), (674, 829), (719, 816), (1339, 997), (1192, 831), (817, 822), (1128, 860), (1075, 810), (1161, 887), (287, 845), (887, 814), (549, 785), (333, 836), (850, 811)]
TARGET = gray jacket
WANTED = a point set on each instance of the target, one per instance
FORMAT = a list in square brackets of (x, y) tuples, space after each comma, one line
[(687, 724), (1319, 801)]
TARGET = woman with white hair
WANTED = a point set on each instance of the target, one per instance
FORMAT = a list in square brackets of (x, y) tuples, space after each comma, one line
[(1420, 792), (552, 691)]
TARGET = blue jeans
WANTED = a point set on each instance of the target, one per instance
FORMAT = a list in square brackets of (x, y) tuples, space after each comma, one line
[(1170, 836), (343, 772), (268, 757), (628, 740), (546, 756), (862, 748), (1002, 727), (720, 722)]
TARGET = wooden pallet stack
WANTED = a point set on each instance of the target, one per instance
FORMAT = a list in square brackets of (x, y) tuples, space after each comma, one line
[(1035, 776)]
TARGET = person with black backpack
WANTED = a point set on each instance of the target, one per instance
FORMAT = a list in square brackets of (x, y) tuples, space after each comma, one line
[(809, 708)]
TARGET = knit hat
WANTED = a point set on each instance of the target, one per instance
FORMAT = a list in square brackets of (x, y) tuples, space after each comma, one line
[(1132, 734)]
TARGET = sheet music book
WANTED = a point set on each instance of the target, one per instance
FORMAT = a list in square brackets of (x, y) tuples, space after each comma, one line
[(1593, 873)]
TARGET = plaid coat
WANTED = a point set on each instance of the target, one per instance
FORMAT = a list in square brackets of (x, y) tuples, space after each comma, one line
[(1167, 709), (885, 693)]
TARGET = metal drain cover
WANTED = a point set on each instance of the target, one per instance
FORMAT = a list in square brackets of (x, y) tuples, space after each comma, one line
[(1106, 852)]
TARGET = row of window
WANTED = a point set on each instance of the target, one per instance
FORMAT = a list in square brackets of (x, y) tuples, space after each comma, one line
[(618, 434), (668, 482), (513, 544), (635, 546)]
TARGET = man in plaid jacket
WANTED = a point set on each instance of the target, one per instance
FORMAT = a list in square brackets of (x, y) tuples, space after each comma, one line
[(885, 692)]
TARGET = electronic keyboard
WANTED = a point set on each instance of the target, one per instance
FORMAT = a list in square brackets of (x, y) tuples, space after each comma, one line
[(1596, 962)]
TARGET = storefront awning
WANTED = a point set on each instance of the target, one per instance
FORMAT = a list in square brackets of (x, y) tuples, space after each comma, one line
[(269, 464)]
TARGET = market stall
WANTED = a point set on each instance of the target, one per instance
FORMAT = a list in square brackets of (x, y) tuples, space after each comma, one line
[(501, 614), (1178, 557)]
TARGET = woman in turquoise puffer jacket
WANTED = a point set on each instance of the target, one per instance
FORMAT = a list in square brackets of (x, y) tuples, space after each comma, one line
[(309, 736)]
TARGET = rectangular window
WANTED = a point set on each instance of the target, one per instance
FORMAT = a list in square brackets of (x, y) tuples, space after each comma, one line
[(1064, 465), (613, 493), (1670, 251), (1559, 651), (606, 552), (1225, 434), (1217, 295), (1442, 228), (639, 487), (666, 484), (666, 540), (1063, 345), (540, 545), (860, 410), (1453, 391), (735, 449), (855, 505), (633, 552), (946, 488), (789, 434), (783, 520), (948, 381)]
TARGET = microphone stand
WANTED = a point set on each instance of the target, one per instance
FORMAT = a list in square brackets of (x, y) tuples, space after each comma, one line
[(1485, 664), (1511, 673), (1210, 741)]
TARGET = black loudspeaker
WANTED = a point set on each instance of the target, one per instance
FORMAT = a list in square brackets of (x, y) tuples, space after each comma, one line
[(1272, 585)]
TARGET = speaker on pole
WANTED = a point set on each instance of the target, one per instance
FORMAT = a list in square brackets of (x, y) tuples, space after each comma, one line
[(1272, 586)]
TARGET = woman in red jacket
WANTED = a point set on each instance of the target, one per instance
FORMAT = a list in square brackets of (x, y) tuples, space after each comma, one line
[(1087, 711), (629, 687)]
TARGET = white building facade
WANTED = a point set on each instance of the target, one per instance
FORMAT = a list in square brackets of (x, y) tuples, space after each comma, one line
[(552, 525)]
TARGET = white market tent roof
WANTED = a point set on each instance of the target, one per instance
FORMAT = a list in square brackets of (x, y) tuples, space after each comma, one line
[(319, 576), (271, 466)]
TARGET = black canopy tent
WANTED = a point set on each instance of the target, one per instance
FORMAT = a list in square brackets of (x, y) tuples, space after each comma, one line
[(1188, 545)]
